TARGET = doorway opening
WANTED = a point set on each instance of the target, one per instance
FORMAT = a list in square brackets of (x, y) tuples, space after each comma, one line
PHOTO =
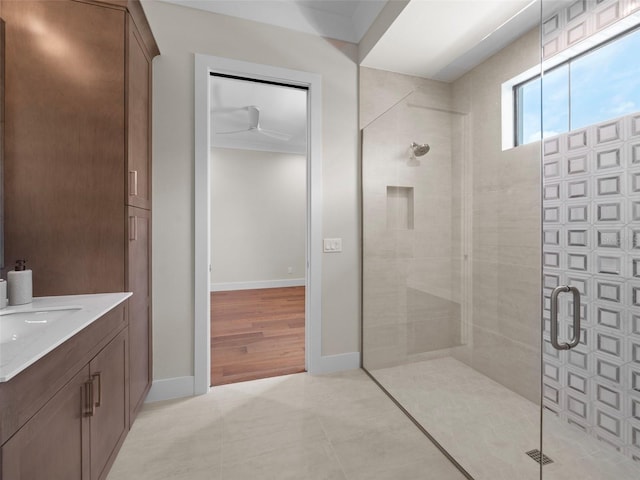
[(254, 119), (258, 163)]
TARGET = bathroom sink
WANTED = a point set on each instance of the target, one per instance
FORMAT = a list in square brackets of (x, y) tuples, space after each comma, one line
[(29, 332), (19, 324)]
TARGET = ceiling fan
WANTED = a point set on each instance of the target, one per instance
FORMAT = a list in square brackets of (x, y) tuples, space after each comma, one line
[(254, 123)]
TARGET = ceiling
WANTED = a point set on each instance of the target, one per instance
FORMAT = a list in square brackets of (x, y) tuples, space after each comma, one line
[(282, 116), (437, 39), (443, 39), (346, 20)]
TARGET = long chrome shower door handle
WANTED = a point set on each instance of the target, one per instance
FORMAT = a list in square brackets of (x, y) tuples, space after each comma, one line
[(554, 317)]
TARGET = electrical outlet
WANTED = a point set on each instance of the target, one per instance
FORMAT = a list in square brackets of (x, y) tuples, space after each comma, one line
[(332, 245), (290, 270)]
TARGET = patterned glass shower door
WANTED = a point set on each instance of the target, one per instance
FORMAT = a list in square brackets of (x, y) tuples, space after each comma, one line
[(591, 241)]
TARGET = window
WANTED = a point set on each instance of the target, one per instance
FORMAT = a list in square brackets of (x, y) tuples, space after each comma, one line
[(598, 85), (555, 106)]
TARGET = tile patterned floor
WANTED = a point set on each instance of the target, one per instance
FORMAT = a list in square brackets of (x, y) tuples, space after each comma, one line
[(296, 427), (343, 427), (488, 428)]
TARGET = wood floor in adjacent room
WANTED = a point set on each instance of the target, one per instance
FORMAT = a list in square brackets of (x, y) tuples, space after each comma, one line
[(256, 334)]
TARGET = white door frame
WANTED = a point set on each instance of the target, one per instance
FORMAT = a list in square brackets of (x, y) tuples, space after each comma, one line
[(204, 66)]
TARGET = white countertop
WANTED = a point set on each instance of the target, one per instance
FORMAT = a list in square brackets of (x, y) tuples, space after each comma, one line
[(29, 332)]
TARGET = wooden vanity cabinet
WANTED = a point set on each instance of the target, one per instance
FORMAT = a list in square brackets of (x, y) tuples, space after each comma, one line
[(55, 442), (78, 155), (77, 431), (109, 413)]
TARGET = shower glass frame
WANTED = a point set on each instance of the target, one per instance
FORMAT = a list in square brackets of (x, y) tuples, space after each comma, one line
[(417, 268), (458, 266)]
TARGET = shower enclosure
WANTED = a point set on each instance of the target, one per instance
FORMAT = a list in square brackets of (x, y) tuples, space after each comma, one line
[(501, 248)]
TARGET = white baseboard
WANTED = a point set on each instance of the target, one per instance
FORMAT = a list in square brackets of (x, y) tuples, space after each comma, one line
[(289, 282), (169, 388), (337, 363), (180, 387)]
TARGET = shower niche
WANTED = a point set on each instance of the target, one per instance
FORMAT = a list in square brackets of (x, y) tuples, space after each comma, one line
[(399, 208)]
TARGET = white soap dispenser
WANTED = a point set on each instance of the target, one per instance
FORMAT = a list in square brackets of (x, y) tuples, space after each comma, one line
[(3, 293), (19, 284)]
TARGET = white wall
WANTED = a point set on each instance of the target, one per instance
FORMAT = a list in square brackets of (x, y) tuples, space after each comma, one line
[(258, 217), (180, 32)]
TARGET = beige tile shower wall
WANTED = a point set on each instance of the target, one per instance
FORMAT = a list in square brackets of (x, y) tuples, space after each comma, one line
[(411, 295), (381, 90), (504, 217)]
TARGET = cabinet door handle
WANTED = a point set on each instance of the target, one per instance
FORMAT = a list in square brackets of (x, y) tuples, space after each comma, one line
[(89, 407), (96, 376), (133, 229), (133, 182)]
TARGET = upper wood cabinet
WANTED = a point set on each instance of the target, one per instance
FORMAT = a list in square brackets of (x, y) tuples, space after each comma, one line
[(138, 121), (77, 138), (65, 144)]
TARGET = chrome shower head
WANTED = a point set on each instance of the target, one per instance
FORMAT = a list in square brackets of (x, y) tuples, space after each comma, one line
[(420, 150)]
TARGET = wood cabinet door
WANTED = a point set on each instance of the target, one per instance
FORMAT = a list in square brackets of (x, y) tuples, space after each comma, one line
[(110, 422), (139, 283), (54, 443), (138, 121)]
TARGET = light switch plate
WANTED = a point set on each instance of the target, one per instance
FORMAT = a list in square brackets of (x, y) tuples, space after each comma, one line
[(332, 245)]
